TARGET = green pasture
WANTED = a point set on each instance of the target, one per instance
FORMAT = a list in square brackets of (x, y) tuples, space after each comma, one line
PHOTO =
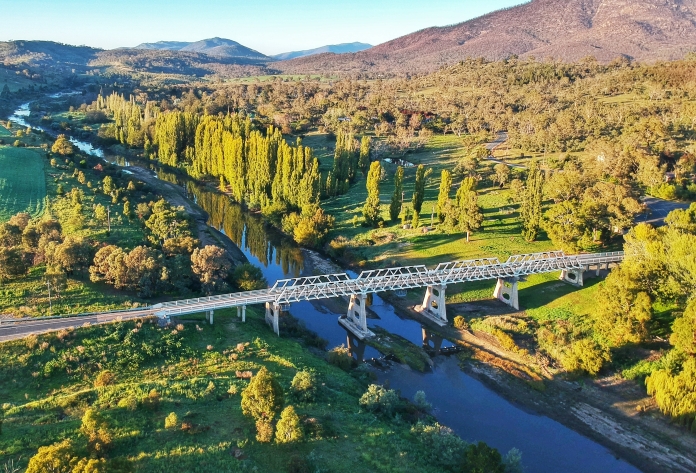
[(47, 385), (499, 235), (22, 182)]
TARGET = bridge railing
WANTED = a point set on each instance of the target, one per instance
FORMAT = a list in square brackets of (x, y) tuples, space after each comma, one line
[(389, 279)]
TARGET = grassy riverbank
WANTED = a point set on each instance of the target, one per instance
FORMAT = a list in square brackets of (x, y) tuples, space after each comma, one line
[(47, 385)]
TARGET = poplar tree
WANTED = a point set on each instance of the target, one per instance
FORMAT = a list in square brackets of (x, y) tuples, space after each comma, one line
[(419, 192), (365, 149), (443, 196), (530, 209), (469, 214), (371, 210), (395, 205)]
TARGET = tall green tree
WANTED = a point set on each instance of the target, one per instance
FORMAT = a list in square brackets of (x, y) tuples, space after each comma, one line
[(419, 191), (371, 210), (469, 214), (683, 336), (262, 399), (532, 198), (395, 204), (365, 150), (443, 196)]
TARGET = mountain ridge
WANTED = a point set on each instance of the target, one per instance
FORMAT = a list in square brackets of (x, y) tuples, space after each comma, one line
[(566, 30), (341, 48), (217, 47)]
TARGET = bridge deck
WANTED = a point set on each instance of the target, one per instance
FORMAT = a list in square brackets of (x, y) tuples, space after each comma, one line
[(409, 277)]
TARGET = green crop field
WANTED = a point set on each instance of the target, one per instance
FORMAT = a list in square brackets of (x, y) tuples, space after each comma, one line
[(4, 131), (22, 182)]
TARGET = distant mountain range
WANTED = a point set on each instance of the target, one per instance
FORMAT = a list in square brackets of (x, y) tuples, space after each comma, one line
[(226, 48), (218, 47), (342, 48), (569, 30)]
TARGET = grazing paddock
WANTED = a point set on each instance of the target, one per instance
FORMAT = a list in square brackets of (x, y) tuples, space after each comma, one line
[(22, 182)]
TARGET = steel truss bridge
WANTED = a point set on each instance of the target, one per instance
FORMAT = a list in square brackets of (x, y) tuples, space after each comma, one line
[(286, 291)]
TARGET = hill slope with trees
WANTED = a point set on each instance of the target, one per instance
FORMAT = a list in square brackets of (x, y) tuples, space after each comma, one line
[(566, 30)]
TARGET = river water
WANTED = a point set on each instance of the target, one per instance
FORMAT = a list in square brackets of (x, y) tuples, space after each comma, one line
[(471, 409)]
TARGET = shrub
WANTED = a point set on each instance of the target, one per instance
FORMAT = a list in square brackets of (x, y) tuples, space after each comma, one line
[(421, 402), (513, 461), (105, 378), (460, 323), (379, 399), (288, 429), (95, 428), (171, 421), (584, 355), (303, 386), (481, 457), (91, 465), (263, 397), (151, 401), (264, 431), (54, 458), (128, 402), (340, 356), (248, 277), (441, 446)]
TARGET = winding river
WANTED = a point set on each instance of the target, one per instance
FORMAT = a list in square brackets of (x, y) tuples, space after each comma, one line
[(459, 401)]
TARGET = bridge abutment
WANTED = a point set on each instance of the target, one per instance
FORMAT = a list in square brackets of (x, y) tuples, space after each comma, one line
[(434, 306), (355, 320), (573, 276), (506, 291)]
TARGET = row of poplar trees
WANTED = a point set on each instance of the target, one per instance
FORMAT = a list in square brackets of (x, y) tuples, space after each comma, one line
[(129, 118), (259, 169), (349, 158)]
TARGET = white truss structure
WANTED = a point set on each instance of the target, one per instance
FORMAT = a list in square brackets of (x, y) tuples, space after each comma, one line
[(286, 291)]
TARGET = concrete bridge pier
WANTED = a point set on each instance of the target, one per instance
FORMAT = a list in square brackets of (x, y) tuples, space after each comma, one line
[(209, 316), (241, 311), (573, 276), (434, 306), (506, 292), (355, 320), (272, 316), (600, 265)]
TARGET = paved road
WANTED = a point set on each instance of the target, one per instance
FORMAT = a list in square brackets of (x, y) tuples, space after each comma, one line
[(14, 329), (658, 210), (501, 138)]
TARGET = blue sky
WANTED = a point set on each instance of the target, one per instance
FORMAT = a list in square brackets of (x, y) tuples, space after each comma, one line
[(271, 26)]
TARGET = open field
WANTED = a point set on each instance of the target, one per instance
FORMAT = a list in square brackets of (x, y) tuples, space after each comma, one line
[(22, 182), (391, 245), (193, 371)]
